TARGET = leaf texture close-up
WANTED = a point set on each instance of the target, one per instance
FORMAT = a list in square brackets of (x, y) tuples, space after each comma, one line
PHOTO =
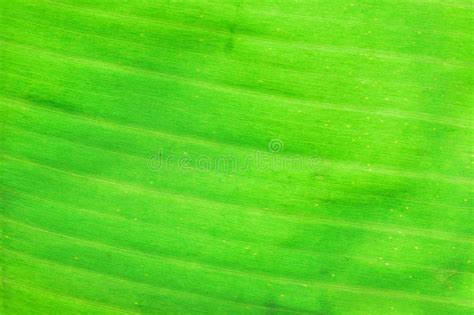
[(237, 157)]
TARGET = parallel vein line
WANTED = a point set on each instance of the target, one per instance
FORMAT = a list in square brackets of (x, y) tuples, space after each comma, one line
[(142, 285), (242, 63), (243, 243), (350, 166), (96, 304), (367, 226), (133, 156), (226, 88), (326, 48), (191, 264)]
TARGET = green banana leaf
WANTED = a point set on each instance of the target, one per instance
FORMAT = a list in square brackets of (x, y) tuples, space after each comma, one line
[(237, 157)]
